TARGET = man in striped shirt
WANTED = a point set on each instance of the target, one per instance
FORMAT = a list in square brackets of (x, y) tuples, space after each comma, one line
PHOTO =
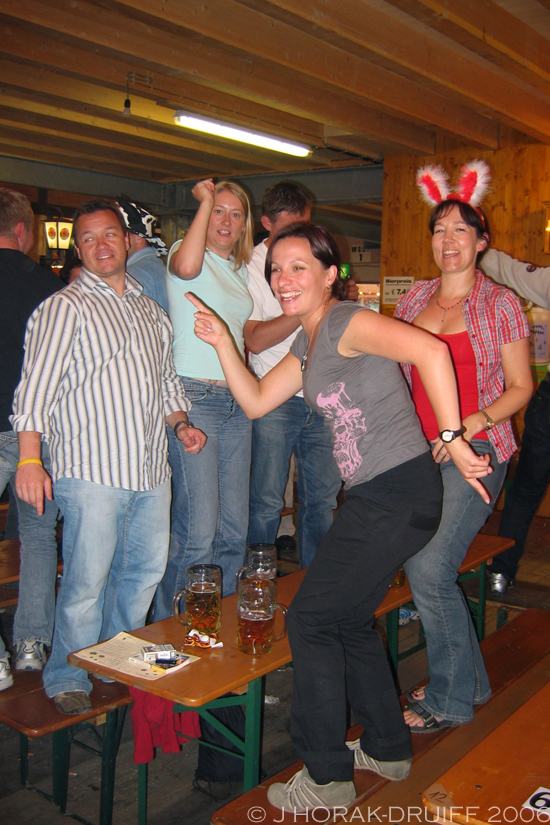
[(99, 383)]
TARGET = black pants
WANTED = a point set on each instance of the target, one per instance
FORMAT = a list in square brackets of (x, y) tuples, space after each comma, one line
[(336, 651), (530, 481)]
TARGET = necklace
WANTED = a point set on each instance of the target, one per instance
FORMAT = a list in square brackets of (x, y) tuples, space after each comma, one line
[(446, 309), (310, 340)]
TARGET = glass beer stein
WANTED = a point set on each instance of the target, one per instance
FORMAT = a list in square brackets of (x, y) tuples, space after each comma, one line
[(260, 562), (202, 599), (256, 608)]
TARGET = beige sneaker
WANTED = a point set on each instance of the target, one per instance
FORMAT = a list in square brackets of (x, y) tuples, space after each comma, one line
[(301, 794), (389, 770)]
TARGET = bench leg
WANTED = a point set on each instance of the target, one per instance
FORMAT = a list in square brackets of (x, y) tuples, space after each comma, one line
[(23, 758), (142, 794), (392, 638), (502, 617), (253, 730), (111, 737), (61, 744)]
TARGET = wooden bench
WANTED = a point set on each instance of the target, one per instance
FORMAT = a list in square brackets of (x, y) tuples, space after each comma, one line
[(4, 506), (9, 571), (493, 780), (481, 551), (26, 708), (517, 658)]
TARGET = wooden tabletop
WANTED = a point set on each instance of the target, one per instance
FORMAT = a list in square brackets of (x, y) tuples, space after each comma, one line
[(221, 669), (225, 669), (491, 783)]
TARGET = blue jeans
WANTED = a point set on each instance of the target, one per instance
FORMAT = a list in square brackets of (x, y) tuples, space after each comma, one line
[(292, 427), (209, 493), (458, 679), (36, 606), (530, 481), (115, 544)]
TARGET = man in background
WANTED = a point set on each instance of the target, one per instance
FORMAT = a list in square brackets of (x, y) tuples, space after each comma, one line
[(146, 250), (294, 426), (532, 474), (24, 285)]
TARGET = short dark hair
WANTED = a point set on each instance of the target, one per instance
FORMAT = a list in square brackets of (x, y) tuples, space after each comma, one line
[(471, 215), (14, 208), (90, 207), (286, 196), (323, 247)]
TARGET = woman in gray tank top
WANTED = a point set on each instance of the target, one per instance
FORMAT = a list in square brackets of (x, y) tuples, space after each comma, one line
[(346, 359)]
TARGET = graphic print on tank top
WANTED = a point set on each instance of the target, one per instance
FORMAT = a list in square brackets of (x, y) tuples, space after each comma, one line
[(348, 425)]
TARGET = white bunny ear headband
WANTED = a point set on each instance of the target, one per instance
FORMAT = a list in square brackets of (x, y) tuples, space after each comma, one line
[(471, 186)]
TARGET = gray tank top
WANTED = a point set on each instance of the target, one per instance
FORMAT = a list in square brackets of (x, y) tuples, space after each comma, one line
[(364, 400)]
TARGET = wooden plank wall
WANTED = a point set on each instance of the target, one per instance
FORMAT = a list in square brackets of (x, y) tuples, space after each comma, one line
[(515, 208), (520, 185)]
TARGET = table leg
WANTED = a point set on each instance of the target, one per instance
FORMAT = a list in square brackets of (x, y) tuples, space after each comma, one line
[(253, 730), (142, 793)]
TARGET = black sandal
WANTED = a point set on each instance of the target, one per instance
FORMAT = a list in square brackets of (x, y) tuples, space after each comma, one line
[(430, 723)]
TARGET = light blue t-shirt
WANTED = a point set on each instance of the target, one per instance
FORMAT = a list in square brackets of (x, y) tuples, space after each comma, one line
[(224, 290)]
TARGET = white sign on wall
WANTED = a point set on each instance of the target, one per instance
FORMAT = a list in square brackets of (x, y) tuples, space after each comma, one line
[(394, 287)]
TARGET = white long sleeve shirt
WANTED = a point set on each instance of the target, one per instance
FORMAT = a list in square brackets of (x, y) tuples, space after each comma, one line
[(529, 281)]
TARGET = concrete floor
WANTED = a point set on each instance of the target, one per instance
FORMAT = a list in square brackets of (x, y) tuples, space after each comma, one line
[(172, 798)]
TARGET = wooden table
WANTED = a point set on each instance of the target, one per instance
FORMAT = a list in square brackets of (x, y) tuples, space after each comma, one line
[(491, 783), (203, 685)]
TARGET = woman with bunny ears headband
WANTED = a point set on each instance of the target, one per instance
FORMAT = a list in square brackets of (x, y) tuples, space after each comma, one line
[(487, 335)]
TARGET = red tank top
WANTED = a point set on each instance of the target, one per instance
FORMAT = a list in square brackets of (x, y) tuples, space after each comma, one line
[(464, 362)]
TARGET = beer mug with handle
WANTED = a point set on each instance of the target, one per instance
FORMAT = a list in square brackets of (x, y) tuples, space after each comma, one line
[(202, 599), (260, 562), (256, 608)]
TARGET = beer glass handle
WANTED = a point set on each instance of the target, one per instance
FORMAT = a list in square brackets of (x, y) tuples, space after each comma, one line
[(284, 611), (238, 575), (176, 607)]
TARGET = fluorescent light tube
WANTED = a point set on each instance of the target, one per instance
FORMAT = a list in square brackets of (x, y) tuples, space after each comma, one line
[(213, 127)]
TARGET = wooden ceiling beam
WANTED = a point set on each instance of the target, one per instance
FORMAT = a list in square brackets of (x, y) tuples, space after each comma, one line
[(231, 24), (27, 44), (87, 97), (412, 48), (211, 64), (112, 130), (62, 159), (67, 130), (83, 149), (469, 37)]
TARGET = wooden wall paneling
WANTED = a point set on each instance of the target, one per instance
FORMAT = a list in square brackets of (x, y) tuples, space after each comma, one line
[(515, 206)]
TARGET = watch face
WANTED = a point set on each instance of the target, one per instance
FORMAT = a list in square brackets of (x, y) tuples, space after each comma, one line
[(447, 435)]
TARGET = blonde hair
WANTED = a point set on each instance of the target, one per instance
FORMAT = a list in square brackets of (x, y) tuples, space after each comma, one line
[(243, 249), (14, 208)]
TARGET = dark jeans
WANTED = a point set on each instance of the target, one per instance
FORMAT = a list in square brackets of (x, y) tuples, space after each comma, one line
[(530, 481), (336, 651)]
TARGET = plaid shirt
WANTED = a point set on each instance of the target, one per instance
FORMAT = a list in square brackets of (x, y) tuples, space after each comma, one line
[(493, 317)]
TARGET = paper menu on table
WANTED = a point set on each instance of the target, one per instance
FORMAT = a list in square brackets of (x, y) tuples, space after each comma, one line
[(117, 654)]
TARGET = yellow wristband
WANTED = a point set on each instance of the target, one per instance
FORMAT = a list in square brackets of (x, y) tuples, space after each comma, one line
[(29, 461)]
